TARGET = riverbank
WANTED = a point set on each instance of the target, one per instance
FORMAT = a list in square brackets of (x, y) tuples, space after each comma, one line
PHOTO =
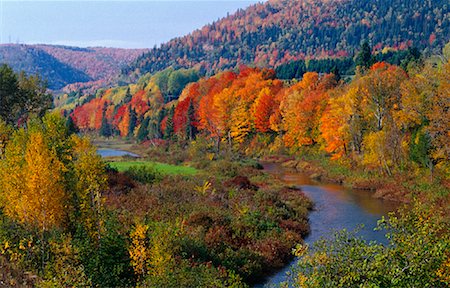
[(401, 187), (232, 214), (336, 208)]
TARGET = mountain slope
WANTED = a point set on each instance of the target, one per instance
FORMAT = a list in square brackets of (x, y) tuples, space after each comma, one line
[(64, 65), (35, 61), (277, 31)]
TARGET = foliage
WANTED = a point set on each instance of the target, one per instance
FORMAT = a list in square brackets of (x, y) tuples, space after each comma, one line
[(416, 255), (143, 173), (22, 96), (221, 226), (63, 65), (276, 32), (153, 167)]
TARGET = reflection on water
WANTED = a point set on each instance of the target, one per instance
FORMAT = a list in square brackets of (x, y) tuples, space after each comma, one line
[(336, 208)]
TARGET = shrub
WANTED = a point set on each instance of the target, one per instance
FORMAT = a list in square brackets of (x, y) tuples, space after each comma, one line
[(144, 174)]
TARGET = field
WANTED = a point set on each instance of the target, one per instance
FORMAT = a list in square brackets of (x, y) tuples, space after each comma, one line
[(165, 169)]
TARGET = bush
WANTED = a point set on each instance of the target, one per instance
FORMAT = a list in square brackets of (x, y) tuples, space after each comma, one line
[(416, 255), (144, 174)]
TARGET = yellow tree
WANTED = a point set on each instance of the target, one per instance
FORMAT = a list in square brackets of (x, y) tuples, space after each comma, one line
[(32, 183), (335, 123), (91, 181), (138, 250), (241, 124), (5, 133)]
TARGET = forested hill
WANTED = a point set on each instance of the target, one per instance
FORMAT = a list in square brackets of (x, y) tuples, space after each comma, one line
[(278, 31), (63, 65)]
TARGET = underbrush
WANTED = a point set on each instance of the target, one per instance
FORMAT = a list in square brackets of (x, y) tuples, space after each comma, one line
[(224, 227)]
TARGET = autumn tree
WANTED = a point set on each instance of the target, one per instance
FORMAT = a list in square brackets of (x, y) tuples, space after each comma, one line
[(302, 109), (89, 172), (33, 185)]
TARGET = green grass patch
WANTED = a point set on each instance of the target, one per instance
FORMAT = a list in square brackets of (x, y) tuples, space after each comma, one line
[(164, 169)]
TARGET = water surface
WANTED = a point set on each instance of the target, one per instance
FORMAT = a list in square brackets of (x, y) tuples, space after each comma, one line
[(105, 152), (336, 208)]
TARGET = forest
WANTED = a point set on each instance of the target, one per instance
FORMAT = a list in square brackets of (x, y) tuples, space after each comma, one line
[(351, 93), (227, 224), (272, 33), (68, 67), (386, 119)]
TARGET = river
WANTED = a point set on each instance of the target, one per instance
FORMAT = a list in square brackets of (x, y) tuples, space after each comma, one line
[(336, 208), (106, 152)]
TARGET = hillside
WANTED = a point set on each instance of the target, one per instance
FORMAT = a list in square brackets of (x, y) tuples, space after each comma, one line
[(279, 31), (63, 65), (36, 61)]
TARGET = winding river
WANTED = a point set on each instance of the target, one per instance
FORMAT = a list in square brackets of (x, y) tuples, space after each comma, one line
[(336, 208)]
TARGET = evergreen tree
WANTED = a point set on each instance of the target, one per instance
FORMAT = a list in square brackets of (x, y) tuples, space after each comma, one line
[(191, 130), (128, 96), (168, 133), (143, 130), (364, 58), (337, 74), (133, 122), (105, 129), (71, 126)]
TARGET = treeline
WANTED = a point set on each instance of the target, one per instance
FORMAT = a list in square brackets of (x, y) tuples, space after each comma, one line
[(64, 66), (276, 32), (136, 110), (382, 119), (346, 66)]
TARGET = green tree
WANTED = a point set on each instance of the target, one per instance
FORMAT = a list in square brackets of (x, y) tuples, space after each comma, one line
[(37, 101), (143, 130), (105, 129), (22, 96), (191, 130), (132, 123), (9, 94), (71, 126), (127, 98), (364, 58), (168, 132)]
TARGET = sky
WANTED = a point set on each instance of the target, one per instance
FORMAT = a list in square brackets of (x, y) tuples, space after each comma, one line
[(106, 23)]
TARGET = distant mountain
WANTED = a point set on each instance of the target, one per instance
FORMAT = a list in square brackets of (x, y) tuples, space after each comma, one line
[(64, 65), (279, 31)]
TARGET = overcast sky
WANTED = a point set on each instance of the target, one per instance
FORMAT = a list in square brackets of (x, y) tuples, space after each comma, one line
[(125, 24)]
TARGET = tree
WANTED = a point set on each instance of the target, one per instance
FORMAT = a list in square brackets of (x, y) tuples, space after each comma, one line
[(127, 98), (302, 110), (32, 182), (22, 96), (191, 129), (89, 172), (71, 126), (34, 92), (133, 122), (364, 58), (169, 130), (105, 129), (9, 94), (5, 134), (263, 109), (142, 133)]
